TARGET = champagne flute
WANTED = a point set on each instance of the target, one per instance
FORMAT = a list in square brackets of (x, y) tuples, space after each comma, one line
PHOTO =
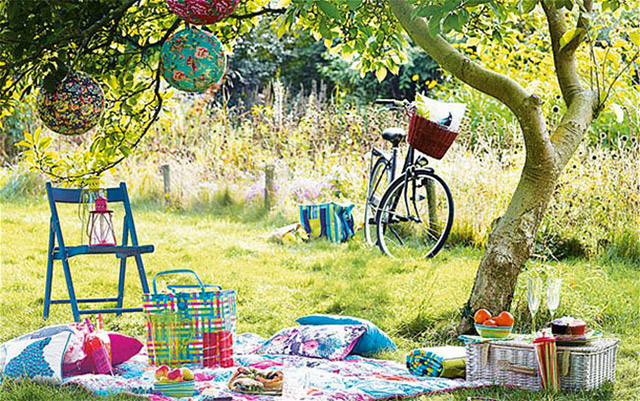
[(554, 285), (535, 293)]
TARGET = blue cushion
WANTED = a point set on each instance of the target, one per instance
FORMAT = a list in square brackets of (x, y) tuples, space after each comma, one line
[(373, 341)]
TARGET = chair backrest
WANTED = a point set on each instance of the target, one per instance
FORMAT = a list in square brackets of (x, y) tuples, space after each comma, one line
[(66, 195)]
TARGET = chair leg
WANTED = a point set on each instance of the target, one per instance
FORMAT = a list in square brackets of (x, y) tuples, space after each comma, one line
[(123, 270), (142, 274), (72, 294), (47, 288)]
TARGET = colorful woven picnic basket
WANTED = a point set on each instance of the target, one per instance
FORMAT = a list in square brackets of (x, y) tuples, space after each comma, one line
[(178, 320)]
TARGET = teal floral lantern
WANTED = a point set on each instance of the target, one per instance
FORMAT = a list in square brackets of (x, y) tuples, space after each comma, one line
[(74, 107), (203, 12), (193, 60)]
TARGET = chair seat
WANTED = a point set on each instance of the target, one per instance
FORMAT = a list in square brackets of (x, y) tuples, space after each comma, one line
[(120, 251)]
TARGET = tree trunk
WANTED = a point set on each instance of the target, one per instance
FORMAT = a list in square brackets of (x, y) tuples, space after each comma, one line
[(512, 239), (510, 243)]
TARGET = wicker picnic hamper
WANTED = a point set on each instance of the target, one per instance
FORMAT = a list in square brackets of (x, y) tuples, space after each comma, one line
[(514, 363), (429, 137)]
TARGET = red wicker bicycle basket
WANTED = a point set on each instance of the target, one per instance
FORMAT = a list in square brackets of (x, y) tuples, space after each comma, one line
[(429, 137)]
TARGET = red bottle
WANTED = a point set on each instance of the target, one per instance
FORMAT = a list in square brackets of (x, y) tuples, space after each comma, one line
[(97, 351)]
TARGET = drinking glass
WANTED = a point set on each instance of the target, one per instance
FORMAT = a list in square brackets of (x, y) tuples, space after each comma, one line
[(554, 285), (535, 293)]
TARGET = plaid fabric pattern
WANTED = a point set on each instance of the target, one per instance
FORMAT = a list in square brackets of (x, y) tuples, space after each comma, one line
[(329, 220), (176, 323)]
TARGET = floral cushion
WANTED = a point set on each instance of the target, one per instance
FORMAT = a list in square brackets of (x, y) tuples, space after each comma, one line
[(332, 342), (372, 342), (75, 350), (38, 360)]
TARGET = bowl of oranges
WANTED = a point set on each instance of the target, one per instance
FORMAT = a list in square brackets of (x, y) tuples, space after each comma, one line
[(493, 327)]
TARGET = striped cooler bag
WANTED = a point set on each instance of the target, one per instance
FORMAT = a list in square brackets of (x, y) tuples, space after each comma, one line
[(330, 220), (181, 321)]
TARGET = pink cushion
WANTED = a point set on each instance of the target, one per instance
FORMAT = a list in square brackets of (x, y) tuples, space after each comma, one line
[(122, 349)]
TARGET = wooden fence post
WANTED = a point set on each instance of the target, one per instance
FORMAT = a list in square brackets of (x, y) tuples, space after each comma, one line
[(269, 186), (166, 179)]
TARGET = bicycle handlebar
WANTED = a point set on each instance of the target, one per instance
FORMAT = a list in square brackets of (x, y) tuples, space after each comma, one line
[(393, 102), (397, 104)]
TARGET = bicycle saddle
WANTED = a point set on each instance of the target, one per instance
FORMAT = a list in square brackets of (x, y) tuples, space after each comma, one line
[(394, 135)]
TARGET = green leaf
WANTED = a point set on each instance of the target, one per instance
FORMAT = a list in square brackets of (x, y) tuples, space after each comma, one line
[(568, 37), (381, 74), (450, 23), (634, 35), (354, 4), (434, 24), (329, 9), (528, 5)]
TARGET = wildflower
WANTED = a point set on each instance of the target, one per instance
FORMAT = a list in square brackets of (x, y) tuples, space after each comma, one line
[(555, 109), (623, 138), (603, 135), (594, 157), (558, 97)]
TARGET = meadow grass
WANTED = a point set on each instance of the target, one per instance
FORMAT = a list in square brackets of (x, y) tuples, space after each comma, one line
[(415, 301)]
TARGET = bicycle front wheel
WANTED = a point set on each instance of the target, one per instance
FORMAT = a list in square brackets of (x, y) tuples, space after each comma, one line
[(415, 215)]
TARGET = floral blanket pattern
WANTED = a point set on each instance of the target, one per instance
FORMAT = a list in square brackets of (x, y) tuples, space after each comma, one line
[(354, 378), (332, 342)]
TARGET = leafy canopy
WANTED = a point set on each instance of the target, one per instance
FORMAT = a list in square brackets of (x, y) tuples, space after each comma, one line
[(118, 43)]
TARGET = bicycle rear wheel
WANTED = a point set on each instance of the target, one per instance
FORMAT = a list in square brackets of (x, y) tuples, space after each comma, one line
[(415, 216), (378, 183)]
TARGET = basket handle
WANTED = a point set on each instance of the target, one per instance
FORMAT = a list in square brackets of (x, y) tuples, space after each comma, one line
[(525, 370), (176, 271), (174, 287)]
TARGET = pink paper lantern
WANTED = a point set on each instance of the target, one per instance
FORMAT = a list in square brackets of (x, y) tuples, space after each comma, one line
[(203, 12)]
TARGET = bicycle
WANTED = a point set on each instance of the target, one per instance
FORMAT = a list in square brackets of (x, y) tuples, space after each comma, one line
[(411, 213)]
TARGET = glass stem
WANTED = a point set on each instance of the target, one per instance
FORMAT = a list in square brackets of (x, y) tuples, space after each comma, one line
[(533, 324)]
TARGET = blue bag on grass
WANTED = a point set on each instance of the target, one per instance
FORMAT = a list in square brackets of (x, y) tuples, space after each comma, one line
[(330, 220)]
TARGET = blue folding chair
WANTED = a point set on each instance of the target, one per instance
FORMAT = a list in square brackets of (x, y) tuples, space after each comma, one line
[(64, 253)]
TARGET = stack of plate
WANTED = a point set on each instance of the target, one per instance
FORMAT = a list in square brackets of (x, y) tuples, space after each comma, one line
[(582, 339)]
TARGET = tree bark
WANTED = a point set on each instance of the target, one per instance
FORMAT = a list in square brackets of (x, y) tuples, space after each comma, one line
[(512, 239)]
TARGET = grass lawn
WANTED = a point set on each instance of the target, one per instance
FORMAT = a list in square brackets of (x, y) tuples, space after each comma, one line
[(415, 301)]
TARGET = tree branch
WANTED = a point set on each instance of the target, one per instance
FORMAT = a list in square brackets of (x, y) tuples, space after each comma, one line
[(573, 126), (490, 82), (527, 108), (564, 57), (258, 13)]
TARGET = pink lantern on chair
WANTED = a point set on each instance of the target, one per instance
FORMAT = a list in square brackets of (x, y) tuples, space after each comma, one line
[(101, 225)]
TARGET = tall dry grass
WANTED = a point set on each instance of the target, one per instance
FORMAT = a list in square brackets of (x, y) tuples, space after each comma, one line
[(320, 149)]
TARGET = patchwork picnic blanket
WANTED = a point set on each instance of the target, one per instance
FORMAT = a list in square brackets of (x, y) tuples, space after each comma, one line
[(354, 378)]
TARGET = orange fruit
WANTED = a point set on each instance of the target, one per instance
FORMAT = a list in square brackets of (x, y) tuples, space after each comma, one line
[(504, 319), (490, 322), (481, 315)]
